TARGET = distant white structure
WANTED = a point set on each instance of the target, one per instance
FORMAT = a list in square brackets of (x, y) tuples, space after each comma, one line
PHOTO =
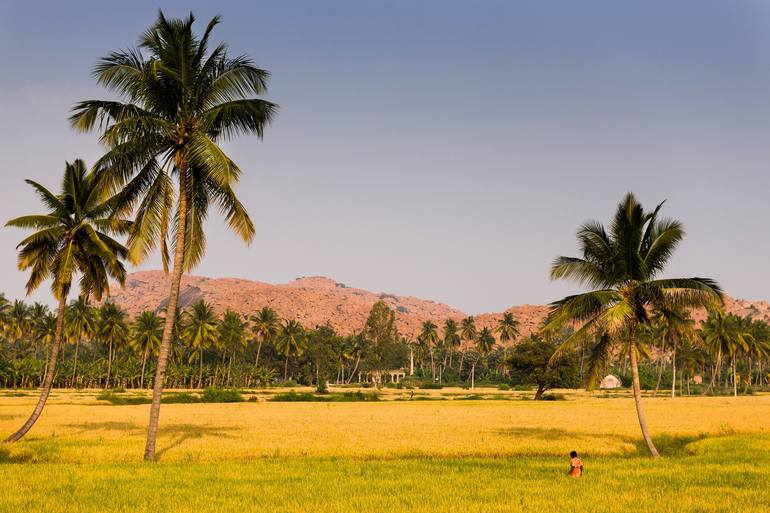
[(610, 381)]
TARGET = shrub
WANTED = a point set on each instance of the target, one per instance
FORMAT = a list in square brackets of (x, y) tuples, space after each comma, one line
[(503, 386), (217, 395), (304, 397), (431, 386), (553, 397)]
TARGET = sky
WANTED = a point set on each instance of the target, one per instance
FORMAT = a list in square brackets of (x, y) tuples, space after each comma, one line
[(440, 149)]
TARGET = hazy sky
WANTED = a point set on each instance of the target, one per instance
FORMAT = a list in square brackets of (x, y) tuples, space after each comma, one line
[(447, 150)]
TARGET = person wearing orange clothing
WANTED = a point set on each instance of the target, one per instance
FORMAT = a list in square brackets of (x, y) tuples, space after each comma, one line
[(575, 465)]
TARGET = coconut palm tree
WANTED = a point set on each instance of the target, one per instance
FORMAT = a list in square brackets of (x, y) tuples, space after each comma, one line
[(231, 337), (112, 330), (18, 323), (79, 321), (178, 100), (508, 327), (468, 333), (265, 325), (676, 327), (72, 238), (291, 342), (726, 334), (622, 266), (146, 333), (485, 342), (429, 336), (451, 338), (199, 331)]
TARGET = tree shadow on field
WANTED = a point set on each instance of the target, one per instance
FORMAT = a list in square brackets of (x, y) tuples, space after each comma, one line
[(86, 427), (180, 433), (8, 416), (671, 446)]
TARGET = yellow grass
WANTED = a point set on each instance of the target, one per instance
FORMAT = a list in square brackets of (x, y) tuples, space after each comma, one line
[(75, 427)]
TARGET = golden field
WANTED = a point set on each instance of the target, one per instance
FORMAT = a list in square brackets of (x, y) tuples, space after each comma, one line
[(450, 455)]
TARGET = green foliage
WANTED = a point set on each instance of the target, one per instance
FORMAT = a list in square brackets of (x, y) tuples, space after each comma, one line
[(217, 395), (530, 363), (345, 397)]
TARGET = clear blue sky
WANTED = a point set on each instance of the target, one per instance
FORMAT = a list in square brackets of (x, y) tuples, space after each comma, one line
[(447, 150)]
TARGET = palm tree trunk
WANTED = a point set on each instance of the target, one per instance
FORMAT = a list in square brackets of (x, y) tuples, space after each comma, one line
[(638, 394), (735, 378), (144, 362), (54, 354), (200, 368), (75, 363), (352, 374), (259, 350), (229, 367), (109, 366), (411, 361), (473, 375), (173, 299), (286, 369), (673, 371)]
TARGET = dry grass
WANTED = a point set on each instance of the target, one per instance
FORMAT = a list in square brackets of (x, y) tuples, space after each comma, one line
[(77, 428)]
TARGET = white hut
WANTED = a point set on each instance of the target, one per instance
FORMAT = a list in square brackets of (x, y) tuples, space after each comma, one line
[(610, 381)]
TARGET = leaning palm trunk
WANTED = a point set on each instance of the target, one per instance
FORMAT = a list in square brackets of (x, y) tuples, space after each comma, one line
[(259, 350), (638, 395), (165, 345), (673, 373), (144, 363), (735, 378), (51, 372), (75, 363)]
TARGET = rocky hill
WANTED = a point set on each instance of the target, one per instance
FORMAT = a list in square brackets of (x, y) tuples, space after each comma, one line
[(317, 300)]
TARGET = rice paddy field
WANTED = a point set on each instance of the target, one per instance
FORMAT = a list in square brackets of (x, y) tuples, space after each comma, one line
[(427, 451)]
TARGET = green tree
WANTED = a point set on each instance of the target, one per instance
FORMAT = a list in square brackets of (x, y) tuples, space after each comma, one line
[(485, 342), (179, 100), (381, 338), (429, 336), (621, 266), (452, 338), (112, 330), (199, 331), (726, 334), (79, 321), (72, 238), (676, 327), (508, 327), (530, 363), (232, 337), (468, 333), (265, 325), (291, 342), (146, 334)]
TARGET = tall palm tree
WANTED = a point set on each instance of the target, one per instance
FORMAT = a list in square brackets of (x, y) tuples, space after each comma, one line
[(146, 334), (508, 327), (72, 238), (676, 327), (179, 100), (111, 329), (291, 342), (199, 331), (429, 336), (468, 333), (485, 342), (622, 265), (232, 337), (79, 321), (451, 337), (18, 322), (726, 334), (265, 325)]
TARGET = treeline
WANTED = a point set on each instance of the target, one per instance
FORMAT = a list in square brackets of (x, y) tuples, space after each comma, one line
[(106, 348)]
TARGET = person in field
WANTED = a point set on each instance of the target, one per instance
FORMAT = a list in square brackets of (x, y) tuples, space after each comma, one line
[(575, 465)]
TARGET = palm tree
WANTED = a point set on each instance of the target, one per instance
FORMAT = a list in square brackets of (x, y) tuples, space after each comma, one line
[(71, 238), (429, 337), (265, 325), (232, 337), (485, 342), (676, 327), (468, 333), (179, 100), (290, 342), (508, 327), (726, 334), (622, 266), (18, 322), (199, 331), (146, 333), (111, 329), (451, 337), (80, 321)]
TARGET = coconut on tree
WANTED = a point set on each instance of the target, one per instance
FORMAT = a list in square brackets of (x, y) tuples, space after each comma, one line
[(71, 240), (622, 264), (178, 100)]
